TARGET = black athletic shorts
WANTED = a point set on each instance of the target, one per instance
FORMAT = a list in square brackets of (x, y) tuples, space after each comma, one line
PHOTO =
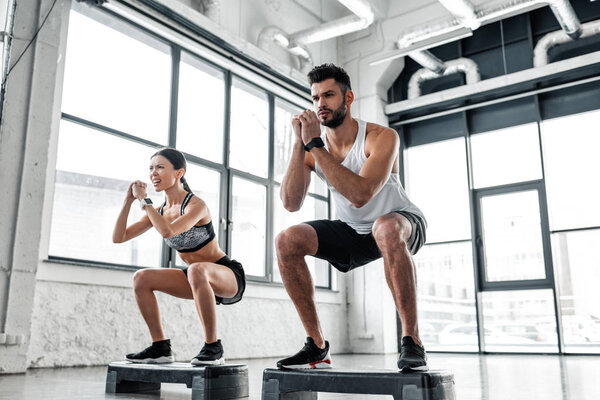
[(346, 249), (240, 278)]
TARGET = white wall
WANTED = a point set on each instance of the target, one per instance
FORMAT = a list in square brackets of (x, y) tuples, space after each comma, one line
[(88, 316)]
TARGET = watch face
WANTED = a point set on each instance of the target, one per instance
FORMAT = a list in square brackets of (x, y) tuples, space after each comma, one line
[(147, 201)]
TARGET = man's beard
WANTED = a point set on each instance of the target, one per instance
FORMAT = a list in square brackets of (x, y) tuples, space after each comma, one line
[(337, 117)]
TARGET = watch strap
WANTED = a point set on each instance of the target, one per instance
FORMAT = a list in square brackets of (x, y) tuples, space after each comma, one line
[(315, 142)]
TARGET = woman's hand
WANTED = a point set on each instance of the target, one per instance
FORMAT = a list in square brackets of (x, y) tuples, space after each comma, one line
[(138, 189), (130, 196)]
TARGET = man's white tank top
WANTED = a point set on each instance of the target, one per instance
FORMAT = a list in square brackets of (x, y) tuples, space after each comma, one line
[(390, 198)]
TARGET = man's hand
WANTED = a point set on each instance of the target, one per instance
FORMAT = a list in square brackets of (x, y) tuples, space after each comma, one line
[(138, 189), (311, 127), (297, 127)]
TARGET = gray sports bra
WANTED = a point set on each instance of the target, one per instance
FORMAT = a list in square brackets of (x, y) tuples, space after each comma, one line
[(193, 239)]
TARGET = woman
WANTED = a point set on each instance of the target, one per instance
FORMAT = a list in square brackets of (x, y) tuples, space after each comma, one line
[(184, 222)]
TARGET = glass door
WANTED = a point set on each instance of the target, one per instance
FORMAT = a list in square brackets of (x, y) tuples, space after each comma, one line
[(516, 294)]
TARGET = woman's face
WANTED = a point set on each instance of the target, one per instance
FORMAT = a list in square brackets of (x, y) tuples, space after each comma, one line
[(162, 173)]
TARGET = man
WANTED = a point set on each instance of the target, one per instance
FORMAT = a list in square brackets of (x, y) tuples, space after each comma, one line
[(359, 163)]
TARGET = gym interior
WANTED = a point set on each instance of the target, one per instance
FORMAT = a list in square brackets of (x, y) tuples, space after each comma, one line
[(497, 107)]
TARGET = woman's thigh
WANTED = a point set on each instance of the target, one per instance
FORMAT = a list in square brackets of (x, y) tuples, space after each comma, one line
[(221, 278), (168, 280)]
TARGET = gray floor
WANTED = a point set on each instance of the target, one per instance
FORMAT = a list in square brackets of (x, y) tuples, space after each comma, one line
[(489, 377)]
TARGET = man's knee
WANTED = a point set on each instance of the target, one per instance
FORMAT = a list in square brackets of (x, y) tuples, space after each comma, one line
[(290, 242), (391, 230)]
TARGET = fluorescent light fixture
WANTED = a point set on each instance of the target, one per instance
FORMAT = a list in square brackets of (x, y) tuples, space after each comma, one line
[(434, 41)]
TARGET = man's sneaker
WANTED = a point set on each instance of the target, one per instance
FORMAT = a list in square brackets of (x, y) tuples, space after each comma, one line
[(159, 353), (311, 356), (412, 356), (211, 354)]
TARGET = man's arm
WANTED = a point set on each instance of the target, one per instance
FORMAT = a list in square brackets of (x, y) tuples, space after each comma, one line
[(360, 188), (297, 177)]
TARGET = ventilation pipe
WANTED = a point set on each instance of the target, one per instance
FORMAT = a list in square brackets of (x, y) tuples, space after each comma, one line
[(464, 12), (296, 43), (467, 16), (460, 65), (273, 34), (212, 9), (362, 18), (552, 39)]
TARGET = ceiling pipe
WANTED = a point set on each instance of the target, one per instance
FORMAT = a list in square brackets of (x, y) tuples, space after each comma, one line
[(468, 16), (464, 11), (429, 61), (296, 43), (459, 65), (552, 39), (274, 35)]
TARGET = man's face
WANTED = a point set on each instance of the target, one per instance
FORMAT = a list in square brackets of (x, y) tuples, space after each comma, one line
[(329, 102)]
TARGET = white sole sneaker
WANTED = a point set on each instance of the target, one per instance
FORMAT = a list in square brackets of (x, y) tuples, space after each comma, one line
[(220, 361), (423, 368), (159, 360), (321, 364)]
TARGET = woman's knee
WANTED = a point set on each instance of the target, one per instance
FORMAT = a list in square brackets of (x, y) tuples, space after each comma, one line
[(140, 280), (197, 274)]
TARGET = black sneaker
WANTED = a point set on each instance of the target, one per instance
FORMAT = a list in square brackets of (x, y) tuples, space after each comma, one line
[(159, 353), (311, 356), (412, 356), (211, 354)]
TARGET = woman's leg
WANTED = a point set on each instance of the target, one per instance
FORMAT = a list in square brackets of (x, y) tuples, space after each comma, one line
[(145, 282), (207, 280)]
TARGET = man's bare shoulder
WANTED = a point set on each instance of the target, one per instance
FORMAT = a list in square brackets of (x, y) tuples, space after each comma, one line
[(377, 135)]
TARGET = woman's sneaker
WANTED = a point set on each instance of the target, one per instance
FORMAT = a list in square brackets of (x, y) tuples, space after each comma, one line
[(412, 356), (159, 353), (311, 356), (211, 354)]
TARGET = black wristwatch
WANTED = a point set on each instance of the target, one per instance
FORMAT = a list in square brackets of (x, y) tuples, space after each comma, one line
[(315, 142)]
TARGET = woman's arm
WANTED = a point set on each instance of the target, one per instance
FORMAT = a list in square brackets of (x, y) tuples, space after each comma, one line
[(194, 212), (122, 232)]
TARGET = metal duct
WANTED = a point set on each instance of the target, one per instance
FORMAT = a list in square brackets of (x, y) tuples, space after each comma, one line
[(552, 39), (212, 9), (459, 65), (362, 18), (429, 61), (562, 10), (295, 43), (273, 34), (464, 11)]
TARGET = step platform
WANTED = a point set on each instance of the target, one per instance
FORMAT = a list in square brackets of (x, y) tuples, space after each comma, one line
[(214, 382), (304, 384)]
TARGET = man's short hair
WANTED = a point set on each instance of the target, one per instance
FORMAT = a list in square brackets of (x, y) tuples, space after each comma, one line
[(327, 71)]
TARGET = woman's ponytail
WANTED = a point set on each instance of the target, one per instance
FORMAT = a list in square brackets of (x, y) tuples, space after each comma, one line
[(185, 185)]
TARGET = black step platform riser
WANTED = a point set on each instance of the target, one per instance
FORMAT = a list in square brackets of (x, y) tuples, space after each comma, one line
[(226, 382), (303, 384)]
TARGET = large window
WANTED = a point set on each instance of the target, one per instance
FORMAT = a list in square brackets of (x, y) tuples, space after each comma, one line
[(148, 93), (572, 174), (445, 265), (527, 195)]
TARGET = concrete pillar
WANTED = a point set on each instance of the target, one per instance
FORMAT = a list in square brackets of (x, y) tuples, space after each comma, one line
[(28, 140)]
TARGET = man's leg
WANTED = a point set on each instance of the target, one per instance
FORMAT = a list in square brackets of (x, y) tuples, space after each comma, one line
[(292, 245), (392, 233)]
